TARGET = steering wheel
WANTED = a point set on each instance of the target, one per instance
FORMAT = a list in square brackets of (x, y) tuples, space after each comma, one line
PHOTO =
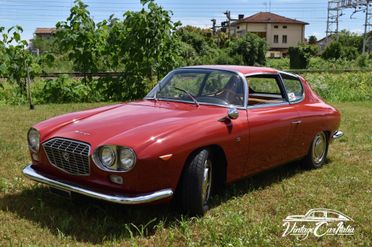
[(229, 92)]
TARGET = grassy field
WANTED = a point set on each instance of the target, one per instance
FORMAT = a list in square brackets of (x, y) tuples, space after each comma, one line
[(247, 213)]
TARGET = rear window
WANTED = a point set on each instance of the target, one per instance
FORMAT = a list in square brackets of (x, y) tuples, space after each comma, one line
[(293, 87)]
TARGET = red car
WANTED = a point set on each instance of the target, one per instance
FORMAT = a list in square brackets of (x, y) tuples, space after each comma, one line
[(199, 128)]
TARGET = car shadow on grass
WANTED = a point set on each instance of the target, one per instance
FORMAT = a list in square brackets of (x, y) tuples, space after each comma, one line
[(94, 221)]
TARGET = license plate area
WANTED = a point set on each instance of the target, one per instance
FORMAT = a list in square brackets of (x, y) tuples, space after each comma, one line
[(61, 193)]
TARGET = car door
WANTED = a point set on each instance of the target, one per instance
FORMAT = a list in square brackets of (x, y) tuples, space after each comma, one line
[(271, 121), (295, 92)]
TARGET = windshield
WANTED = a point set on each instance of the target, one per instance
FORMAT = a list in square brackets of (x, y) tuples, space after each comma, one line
[(202, 86)]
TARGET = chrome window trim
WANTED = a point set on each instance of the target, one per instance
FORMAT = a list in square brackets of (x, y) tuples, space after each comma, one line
[(241, 75), (61, 138), (268, 105)]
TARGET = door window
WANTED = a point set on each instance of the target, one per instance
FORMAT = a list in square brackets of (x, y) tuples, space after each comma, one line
[(264, 89)]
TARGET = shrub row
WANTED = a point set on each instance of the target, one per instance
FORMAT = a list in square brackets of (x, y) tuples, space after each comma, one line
[(355, 86)]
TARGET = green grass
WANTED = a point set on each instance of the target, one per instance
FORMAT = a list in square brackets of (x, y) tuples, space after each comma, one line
[(247, 213)]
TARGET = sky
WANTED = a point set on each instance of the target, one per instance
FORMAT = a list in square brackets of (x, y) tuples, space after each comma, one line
[(31, 14)]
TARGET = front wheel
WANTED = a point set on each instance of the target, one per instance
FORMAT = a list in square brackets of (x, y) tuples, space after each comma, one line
[(196, 184), (317, 154)]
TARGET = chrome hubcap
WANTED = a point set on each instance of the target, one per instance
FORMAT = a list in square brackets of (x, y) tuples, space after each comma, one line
[(207, 181), (319, 147)]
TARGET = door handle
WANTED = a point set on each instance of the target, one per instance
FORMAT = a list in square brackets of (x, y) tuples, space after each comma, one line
[(297, 122)]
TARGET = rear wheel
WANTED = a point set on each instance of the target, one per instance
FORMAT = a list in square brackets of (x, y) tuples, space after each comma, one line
[(317, 154), (197, 183)]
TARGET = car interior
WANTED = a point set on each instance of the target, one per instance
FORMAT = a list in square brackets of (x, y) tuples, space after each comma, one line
[(232, 92)]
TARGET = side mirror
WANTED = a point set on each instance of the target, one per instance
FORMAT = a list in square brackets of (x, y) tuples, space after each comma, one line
[(232, 113)]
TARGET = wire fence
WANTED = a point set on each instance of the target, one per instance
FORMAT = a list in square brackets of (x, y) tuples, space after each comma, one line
[(117, 74), (52, 75)]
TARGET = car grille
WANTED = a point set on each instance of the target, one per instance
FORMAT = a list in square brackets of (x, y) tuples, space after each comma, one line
[(68, 155)]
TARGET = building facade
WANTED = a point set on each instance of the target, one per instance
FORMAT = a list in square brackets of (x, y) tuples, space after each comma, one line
[(279, 32)]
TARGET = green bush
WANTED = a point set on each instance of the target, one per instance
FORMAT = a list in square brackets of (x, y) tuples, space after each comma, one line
[(251, 48), (337, 50), (341, 87), (11, 95), (278, 63), (64, 90), (333, 51), (298, 58), (364, 60), (224, 57)]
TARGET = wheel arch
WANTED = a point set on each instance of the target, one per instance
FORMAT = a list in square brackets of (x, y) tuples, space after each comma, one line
[(219, 171)]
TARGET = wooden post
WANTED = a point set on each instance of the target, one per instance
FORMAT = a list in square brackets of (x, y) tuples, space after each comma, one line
[(32, 107)]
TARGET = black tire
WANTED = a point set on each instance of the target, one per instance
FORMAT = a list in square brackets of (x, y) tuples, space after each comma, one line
[(318, 150), (194, 196)]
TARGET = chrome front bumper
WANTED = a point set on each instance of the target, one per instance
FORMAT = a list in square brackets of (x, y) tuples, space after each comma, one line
[(337, 134), (33, 174)]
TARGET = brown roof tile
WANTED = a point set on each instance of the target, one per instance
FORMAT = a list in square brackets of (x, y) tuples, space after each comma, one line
[(268, 17), (44, 30)]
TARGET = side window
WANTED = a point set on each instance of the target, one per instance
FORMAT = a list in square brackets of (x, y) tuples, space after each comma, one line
[(293, 87), (264, 89), (319, 214)]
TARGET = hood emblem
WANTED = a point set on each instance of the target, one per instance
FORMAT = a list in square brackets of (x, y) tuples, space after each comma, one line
[(82, 133), (66, 156)]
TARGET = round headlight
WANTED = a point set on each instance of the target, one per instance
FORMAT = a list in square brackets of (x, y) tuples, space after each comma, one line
[(107, 156), (33, 139), (127, 159)]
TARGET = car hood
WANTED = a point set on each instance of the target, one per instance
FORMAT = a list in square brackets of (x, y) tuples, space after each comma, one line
[(136, 123)]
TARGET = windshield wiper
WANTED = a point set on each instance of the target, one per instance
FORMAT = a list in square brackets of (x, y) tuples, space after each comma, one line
[(189, 94)]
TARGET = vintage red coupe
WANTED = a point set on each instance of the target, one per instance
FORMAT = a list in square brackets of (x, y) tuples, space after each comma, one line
[(199, 128)]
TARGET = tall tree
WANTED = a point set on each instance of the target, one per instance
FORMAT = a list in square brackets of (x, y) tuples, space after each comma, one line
[(82, 39), (312, 40), (251, 48), (146, 44)]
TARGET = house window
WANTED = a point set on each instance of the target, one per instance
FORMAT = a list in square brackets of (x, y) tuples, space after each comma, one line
[(276, 38), (285, 27), (276, 26), (284, 39)]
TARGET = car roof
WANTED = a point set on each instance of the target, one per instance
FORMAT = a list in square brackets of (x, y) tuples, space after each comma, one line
[(246, 70)]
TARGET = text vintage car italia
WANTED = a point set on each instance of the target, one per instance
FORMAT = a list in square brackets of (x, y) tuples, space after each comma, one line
[(199, 128)]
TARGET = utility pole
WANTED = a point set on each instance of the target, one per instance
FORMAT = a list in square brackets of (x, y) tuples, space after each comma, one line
[(333, 14), (228, 16), (214, 28), (229, 20), (366, 25), (334, 11)]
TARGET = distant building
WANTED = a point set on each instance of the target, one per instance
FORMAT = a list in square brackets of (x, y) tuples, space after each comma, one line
[(324, 42), (279, 32), (44, 32)]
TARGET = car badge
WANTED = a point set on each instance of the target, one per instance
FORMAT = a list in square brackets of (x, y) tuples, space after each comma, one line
[(66, 156), (82, 133)]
